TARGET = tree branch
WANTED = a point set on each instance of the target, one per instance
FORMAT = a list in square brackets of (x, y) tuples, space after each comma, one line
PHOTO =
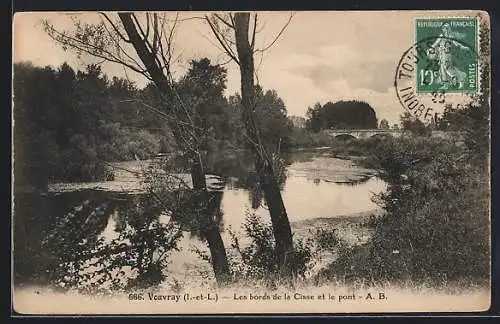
[(252, 44), (277, 36), (119, 48), (224, 45), (90, 49), (115, 28), (230, 25)]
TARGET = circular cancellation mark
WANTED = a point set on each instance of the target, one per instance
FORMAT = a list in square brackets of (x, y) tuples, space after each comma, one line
[(434, 72)]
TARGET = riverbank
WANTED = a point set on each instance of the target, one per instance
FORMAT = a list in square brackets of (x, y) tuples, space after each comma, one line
[(353, 228), (319, 192), (128, 175), (186, 269)]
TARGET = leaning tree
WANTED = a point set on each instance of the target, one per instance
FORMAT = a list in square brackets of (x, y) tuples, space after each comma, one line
[(144, 43), (236, 33)]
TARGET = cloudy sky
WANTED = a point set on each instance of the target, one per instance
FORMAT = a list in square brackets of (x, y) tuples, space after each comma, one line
[(320, 57)]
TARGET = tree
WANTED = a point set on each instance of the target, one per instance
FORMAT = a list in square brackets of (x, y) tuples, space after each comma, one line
[(66, 83), (314, 121), (242, 53), (202, 89), (150, 36), (342, 114), (414, 125), (297, 121), (35, 126), (384, 124), (271, 116)]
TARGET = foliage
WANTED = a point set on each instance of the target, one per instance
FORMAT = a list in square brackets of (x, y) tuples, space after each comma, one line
[(202, 92), (303, 138), (271, 116), (436, 222), (473, 122), (298, 121), (363, 147), (255, 261), (414, 125), (119, 143), (66, 123), (384, 124), (342, 114)]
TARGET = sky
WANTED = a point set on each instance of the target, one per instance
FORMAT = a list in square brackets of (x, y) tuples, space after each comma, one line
[(320, 57)]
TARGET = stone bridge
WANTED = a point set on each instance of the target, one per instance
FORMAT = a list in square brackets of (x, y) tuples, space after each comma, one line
[(367, 133), (363, 133)]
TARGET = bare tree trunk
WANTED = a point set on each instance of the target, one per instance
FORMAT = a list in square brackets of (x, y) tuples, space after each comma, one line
[(263, 163), (208, 228), (216, 245), (217, 253)]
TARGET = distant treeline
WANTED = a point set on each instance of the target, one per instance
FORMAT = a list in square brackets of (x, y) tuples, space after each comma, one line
[(341, 114), (69, 123)]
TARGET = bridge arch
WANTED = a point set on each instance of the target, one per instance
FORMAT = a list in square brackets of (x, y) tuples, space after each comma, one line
[(381, 135), (345, 137)]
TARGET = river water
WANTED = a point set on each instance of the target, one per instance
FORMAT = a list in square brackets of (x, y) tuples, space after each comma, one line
[(318, 191)]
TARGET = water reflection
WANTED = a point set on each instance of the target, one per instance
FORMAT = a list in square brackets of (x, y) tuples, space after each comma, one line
[(88, 238), (53, 228), (305, 199), (237, 171)]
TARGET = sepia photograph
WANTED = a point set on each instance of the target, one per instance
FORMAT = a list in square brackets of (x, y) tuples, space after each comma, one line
[(277, 162)]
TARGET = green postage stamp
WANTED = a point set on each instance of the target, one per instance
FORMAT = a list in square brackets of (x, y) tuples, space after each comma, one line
[(450, 60)]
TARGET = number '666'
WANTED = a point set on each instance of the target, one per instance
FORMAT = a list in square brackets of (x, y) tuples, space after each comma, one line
[(135, 296)]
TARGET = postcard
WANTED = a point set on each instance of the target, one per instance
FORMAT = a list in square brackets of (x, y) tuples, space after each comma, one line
[(251, 162)]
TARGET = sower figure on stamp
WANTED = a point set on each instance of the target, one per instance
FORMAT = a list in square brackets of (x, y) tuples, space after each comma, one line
[(442, 50)]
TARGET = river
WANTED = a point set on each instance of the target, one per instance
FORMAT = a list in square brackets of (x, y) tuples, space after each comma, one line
[(318, 191)]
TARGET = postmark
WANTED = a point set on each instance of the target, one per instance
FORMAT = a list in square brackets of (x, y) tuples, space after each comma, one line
[(440, 69)]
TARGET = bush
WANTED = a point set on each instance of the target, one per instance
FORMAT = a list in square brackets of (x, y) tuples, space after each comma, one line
[(119, 143), (360, 147), (436, 222), (301, 138), (256, 262)]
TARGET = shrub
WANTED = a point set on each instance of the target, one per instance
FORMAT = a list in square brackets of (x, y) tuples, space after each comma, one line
[(300, 138), (256, 261), (435, 227)]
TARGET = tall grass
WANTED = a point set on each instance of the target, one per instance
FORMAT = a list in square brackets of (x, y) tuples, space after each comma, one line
[(254, 261)]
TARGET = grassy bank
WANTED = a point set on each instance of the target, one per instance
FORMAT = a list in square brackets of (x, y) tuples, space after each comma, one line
[(434, 228), (435, 225)]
